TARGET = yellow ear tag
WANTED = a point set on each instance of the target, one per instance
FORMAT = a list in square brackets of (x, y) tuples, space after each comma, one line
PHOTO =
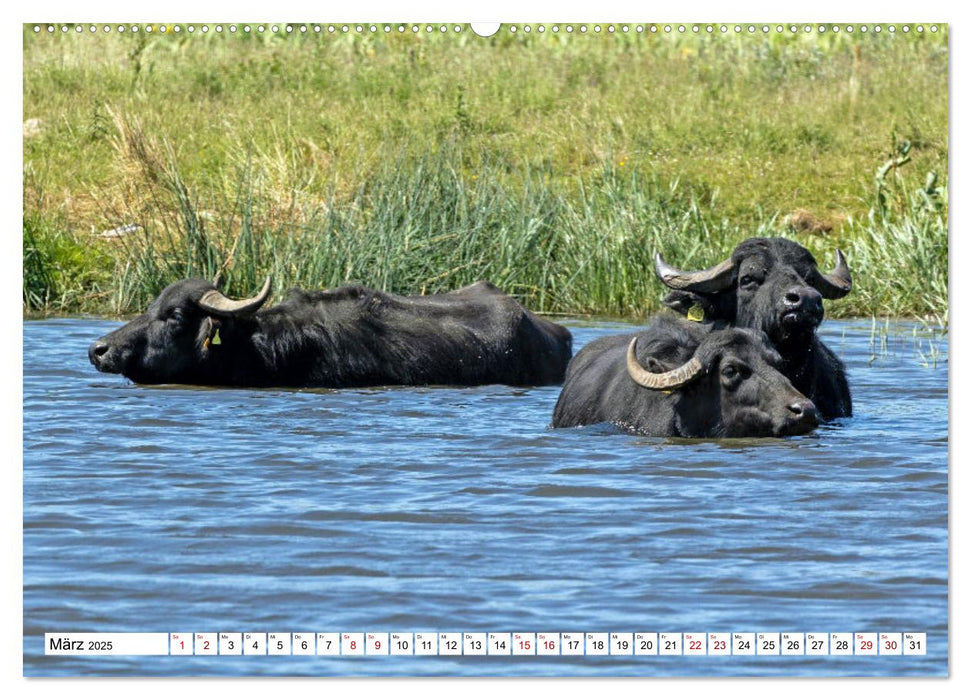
[(696, 313), (215, 338)]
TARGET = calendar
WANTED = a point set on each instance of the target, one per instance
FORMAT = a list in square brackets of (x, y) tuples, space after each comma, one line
[(309, 307)]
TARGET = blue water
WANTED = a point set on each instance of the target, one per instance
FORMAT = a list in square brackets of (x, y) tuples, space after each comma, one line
[(158, 509)]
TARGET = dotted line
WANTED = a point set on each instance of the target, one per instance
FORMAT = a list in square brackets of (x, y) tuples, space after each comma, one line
[(444, 28)]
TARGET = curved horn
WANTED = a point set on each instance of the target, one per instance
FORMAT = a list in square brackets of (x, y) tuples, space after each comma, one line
[(675, 379), (836, 284), (214, 301), (714, 279)]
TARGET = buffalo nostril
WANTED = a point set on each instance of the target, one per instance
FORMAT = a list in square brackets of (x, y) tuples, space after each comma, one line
[(793, 298), (96, 351), (803, 410)]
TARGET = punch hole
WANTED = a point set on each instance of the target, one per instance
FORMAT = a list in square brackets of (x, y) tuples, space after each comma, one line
[(877, 28), (863, 28), (695, 29), (723, 29), (681, 28), (836, 29), (596, 28), (934, 28), (275, 29), (737, 29), (526, 29), (485, 29), (359, 28), (541, 28), (920, 28), (849, 28), (583, 29), (667, 28), (891, 29), (751, 29), (709, 29)]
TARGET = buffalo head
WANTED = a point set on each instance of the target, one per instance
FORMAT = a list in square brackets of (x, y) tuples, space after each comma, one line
[(770, 284), (730, 387), (180, 338)]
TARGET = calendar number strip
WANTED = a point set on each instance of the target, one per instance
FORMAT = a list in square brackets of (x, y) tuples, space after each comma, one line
[(486, 644)]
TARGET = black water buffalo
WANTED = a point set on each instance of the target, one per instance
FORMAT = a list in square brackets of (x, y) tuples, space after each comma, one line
[(773, 285), (682, 379), (346, 337)]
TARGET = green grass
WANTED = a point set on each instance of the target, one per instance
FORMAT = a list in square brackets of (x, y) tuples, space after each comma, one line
[(554, 166)]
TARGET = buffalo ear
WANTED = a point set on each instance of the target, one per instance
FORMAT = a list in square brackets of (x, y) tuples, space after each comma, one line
[(655, 367), (682, 302)]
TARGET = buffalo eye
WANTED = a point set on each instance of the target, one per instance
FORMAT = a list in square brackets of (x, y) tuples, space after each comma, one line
[(731, 376), (177, 316), (748, 282)]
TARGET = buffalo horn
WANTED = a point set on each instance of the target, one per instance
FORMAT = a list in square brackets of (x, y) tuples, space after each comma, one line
[(214, 301), (837, 283), (714, 279), (675, 379)]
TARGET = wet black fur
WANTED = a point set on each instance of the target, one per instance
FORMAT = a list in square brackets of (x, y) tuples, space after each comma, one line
[(781, 265), (347, 337), (598, 388)]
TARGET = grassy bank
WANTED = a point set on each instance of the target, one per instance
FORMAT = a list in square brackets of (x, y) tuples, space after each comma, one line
[(552, 165)]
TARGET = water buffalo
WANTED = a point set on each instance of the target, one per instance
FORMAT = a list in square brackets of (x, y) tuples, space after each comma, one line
[(773, 285), (346, 337), (681, 379)]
